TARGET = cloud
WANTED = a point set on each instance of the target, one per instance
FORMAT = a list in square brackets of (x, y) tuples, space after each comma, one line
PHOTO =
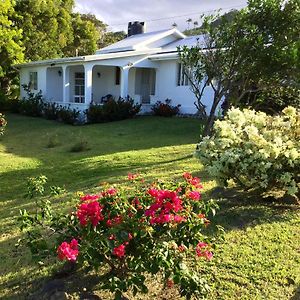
[(118, 13)]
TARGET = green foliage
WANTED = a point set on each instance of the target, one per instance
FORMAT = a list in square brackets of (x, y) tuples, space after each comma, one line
[(124, 231), (46, 26), (36, 186), (273, 100), (255, 150), (112, 110), (68, 115), (50, 110), (85, 37), (32, 105), (11, 51), (80, 146), (256, 50), (111, 38), (53, 141), (3, 123), (165, 109)]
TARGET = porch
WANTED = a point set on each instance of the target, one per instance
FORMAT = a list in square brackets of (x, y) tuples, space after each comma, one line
[(80, 85)]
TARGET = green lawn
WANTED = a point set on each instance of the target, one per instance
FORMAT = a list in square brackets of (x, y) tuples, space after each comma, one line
[(259, 257)]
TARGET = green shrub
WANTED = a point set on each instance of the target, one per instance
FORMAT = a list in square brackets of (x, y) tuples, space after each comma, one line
[(3, 124), (112, 110), (80, 146), (53, 141), (255, 150), (165, 109), (50, 110), (33, 104), (68, 115)]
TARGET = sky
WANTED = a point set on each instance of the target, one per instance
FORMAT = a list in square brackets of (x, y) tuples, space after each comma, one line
[(158, 14)]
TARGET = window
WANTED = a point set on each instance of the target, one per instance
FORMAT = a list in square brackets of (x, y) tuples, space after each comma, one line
[(118, 75), (79, 87), (33, 81), (182, 79)]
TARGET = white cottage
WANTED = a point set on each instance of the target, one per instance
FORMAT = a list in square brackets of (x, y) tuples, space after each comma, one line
[(144, 66)]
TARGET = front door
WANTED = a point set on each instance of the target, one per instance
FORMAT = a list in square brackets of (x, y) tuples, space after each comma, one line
[(145, 84)]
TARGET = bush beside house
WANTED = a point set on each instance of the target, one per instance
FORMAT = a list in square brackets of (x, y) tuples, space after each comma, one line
[(255, 150), (112, 110), (165, 109)]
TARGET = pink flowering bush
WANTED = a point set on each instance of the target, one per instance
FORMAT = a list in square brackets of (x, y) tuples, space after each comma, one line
[(134, 230)]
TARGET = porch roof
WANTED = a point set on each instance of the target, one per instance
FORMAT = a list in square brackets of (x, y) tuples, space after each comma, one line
[(88, 58)]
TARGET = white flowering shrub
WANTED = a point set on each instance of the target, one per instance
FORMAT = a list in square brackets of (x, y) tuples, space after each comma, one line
[(255, 150)]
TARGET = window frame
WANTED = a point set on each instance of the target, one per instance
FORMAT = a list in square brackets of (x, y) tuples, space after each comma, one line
[(182, 79), (79, 82), (33, 80)]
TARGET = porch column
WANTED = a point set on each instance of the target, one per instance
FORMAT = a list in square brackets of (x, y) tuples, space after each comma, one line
[(66, 84), (124, 82), (88, 81)]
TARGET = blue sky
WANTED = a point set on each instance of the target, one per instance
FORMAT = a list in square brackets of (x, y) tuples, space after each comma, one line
[(118, 13)]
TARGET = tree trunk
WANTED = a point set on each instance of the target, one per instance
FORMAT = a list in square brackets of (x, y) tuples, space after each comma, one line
[(211, 118)]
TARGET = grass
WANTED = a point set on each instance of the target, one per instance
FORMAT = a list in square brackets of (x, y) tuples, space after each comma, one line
[(258, 258)]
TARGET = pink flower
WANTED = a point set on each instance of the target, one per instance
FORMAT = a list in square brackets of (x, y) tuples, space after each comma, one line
[(181, 248), (194, 195), (165, 205), (90, 212), (119, 251), (202, 251), (114, 221), (132, 176), (68, 251), (179, 219), (187, 175), (111, 192), (89, 197), (112, 237)]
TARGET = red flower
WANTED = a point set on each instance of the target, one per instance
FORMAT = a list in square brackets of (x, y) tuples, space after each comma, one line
[(68, 251), (181, 248), (119, 251), (114, 221), (132, 176), (187, 175), (170, 283), (166, 204), (202, 251), (89, 197), (111, 192), (90, 212), (194, 195)]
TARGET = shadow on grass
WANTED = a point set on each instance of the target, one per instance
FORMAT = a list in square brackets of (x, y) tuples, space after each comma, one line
[(296, 296), (239, 209)]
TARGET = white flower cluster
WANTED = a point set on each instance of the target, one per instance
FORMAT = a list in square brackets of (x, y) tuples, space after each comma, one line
[(255, 150)]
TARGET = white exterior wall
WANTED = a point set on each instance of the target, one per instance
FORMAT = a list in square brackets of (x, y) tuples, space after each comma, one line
[(54, 84), (166, 88), (166, 82), (25, 78)]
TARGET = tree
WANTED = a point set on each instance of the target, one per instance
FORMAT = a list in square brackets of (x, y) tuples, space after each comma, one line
[(51, 30), (85, 37), (47, 27), (256, 50), (11, 51), (112, 37)]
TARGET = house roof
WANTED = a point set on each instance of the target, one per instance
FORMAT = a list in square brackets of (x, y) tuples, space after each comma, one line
[(150, 44), (141, 41)]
